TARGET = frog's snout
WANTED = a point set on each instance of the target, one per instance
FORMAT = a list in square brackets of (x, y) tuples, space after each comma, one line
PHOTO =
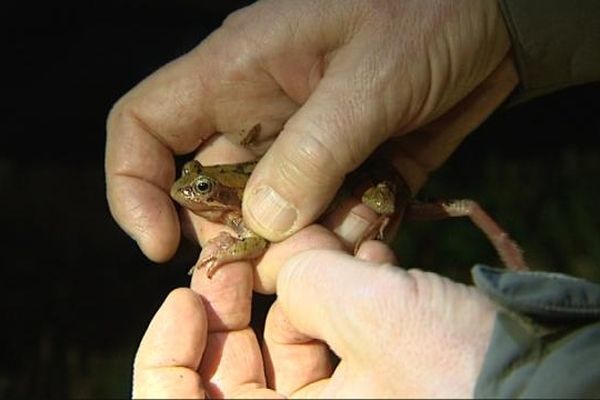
[(176, 193)]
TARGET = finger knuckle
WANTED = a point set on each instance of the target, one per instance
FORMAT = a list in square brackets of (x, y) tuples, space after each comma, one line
[(313, 160)]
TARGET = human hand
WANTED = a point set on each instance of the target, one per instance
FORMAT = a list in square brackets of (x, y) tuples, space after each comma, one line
[(398, 333), (200, 343), (342, 76)]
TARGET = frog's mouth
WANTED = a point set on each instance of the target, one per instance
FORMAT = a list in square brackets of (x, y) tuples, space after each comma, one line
[(174, 192), (187, 197)]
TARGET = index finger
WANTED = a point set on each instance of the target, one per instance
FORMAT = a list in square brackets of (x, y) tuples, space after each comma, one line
[(219, 86), (165, 114), (169, 355)]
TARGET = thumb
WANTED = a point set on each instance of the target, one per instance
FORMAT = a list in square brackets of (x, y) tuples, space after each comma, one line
[(336, 298), (339, 126), (418, 327)]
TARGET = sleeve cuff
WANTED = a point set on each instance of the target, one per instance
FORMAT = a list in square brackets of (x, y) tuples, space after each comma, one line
[(545, 339), (556, 44)]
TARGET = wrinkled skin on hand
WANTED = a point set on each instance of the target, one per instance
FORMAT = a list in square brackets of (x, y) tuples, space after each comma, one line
[(433, 346), (327, 82)]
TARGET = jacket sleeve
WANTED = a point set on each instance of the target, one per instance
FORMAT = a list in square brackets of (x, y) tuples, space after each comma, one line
[(546, 338), (556, 43)]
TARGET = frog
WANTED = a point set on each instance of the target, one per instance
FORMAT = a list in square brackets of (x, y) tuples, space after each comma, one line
[(215, 193)]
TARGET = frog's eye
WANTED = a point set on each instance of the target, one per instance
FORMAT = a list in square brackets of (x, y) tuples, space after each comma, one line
[(203, 185)]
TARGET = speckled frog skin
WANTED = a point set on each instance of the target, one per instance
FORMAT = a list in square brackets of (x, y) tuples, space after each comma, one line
[(215, 193)]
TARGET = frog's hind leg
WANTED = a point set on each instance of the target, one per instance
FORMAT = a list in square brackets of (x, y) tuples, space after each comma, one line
[(510, 253)]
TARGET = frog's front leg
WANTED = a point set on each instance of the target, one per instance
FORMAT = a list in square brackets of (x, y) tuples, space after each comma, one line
[(226, 248)]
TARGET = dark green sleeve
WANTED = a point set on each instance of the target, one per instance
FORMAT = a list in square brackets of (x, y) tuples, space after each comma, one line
[(546, 339), (556, 43)]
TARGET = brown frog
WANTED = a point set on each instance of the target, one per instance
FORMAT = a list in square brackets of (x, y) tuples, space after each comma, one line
[(215, 193)]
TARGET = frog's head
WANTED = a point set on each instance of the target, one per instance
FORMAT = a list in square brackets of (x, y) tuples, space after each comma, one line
[(380, 198), (198, 191)]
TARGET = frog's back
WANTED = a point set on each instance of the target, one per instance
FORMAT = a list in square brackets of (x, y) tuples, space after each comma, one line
[(231, 175)]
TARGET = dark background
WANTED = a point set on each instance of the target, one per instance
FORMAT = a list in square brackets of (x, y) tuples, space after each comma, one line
[(76, 293)]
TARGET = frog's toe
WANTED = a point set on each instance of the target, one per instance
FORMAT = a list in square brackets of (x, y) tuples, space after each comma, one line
[(211, 269), (208, 263)]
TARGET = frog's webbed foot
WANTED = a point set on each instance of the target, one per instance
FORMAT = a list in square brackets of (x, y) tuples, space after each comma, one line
[(225, 249), (212, 249), (210, 263)]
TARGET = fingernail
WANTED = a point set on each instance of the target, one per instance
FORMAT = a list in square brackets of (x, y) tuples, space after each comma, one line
[(352, 228), (271, 211)]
